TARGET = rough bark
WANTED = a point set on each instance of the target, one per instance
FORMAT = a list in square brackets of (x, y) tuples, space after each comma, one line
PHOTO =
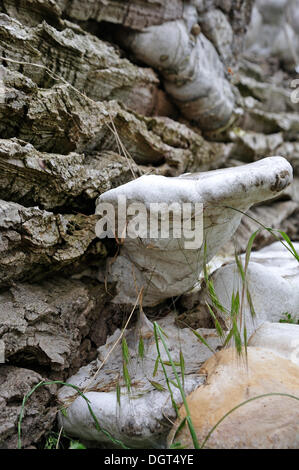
[(54, 181), (238, 13), (40, 411), (35, 242), (87, 63), (34, 13), (274, 31), (272, 216), (62, 120), (250, 145), (50, 325), (136, 14), (78, 117)]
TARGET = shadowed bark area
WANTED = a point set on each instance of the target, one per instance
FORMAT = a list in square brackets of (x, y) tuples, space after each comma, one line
[(49, 326)]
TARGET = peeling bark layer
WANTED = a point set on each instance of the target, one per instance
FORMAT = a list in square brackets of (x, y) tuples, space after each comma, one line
[(53, 181), (62, 120), (49, 325), (84, 61), (79, 117), (136, 14), (33, 12)]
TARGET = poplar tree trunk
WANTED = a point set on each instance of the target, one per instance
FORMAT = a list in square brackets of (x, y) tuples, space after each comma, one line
[(85, 108)]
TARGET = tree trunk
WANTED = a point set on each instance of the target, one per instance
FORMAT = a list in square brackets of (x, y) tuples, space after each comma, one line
[(93, 94)]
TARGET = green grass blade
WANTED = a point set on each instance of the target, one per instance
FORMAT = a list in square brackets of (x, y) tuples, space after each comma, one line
[(176, 445), (125, 350), (235, 305), (63, 412), (250, 303), (157, 386), (180, 427), (188, 417), (216, 322), (214, 298), (77, 445), (156, 366), (237, 337), (239, 406), (249, 248), (270, 230), (167, 363), (118, 394), (228, 338), (287, 239), (127, 377), (240, 267), (173, 383), (141, 348), (182, 366), (164, 371), (201, 338), (59, 382)]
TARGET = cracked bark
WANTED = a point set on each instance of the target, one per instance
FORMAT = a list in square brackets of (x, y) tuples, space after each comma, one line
[(66, 84), (35, 243)]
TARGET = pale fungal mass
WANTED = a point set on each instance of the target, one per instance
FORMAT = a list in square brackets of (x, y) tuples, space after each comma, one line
[(164, 268)]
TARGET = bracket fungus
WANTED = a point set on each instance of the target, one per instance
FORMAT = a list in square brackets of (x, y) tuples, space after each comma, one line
[(160, 268), (280, 338), (168, 267), (139, 412), (271, 422)]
